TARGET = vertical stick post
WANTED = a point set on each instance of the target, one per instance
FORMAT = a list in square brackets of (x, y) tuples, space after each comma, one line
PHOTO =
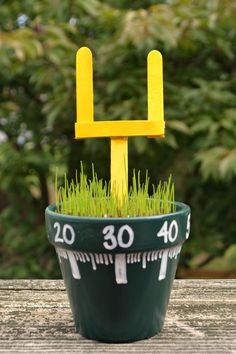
[(84, 85), (119, 167), (155, 86)]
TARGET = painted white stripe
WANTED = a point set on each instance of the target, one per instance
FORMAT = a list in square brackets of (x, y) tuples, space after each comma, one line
[(97, 258), (163, 267), (93, 261), (106, 259), (128, 257), (160, 254), (144, 260), (58, 254), (120, 269), (73, 264), (110, 258), (120, 260), (87, 257), (149, 256), (132, 258), (76, 255), (82, 256), (178, 250), (64, 254), (156, 255), (153, 256)]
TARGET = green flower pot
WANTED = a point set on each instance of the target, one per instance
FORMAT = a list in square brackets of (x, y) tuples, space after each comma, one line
[(118, 272)]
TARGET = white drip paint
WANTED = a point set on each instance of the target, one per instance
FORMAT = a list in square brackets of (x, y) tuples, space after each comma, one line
[(110, 258), (62, 253), (152, 256), (120, 269), (132, 258), (160, 253), (76, 255), (74, 265), (87, 257), (120, 260), (129, 257), (97, 258), (179, 250), (144, 260), (106, 259), (93, 261), (155, 255), (82, 256), (79, 256), (163, 267), (58, 254)]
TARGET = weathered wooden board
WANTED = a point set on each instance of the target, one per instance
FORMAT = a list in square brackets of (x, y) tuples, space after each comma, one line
[(35, 318)]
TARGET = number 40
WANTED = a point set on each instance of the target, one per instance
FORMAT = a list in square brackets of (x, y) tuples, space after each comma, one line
[(169, 233)]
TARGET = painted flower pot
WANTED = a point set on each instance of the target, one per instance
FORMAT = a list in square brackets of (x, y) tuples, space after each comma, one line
[(118, 272)]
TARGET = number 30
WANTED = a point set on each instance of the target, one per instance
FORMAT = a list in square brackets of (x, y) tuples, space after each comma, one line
[(111, 241)]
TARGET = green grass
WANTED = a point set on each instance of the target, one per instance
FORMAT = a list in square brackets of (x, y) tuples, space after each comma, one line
[(93, 197)]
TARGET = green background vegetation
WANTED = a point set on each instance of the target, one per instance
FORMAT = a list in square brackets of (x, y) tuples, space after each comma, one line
[(38, 42)]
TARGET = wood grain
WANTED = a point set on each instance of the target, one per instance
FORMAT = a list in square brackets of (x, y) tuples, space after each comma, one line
[(35, 318)]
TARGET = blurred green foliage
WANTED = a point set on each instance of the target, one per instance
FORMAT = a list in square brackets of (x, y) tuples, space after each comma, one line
[(38, 42)]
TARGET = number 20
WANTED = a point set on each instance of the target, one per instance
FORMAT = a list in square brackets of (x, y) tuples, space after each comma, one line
[(68, 233)]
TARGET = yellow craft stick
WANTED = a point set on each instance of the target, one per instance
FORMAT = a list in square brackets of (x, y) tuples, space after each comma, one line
[(119, 167), (84, 85), (155, 86), (120, 130)]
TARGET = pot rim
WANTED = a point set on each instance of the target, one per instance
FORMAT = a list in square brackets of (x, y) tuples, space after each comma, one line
[(182, 208)]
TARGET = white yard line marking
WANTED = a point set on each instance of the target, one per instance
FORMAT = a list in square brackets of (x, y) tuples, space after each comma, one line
[(74, 265), (93, 261), (120, 269), (121, 260), (163, 268)]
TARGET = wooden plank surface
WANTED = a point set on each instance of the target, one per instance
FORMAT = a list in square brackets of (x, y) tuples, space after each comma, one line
[(35, 318)]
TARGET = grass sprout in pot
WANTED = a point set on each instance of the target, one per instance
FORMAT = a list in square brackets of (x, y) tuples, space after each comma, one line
[(118, 268)]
